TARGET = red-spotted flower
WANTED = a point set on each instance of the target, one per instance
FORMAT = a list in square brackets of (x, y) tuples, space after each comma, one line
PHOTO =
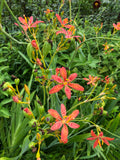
[(28, 24), (68, 34), (107, 80), (98, 138), (48, 11), (64, 121), (64, 22), (116, 26), (92, 80), (64, 81)]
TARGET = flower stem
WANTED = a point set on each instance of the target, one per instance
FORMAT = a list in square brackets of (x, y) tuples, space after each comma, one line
[(9, 36), (1, 8)]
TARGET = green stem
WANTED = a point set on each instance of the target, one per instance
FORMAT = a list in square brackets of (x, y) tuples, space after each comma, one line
[(12, 13), (91, 92), (115, 39), (70, 9), (1, 8), (52, 58), (110, 132), (44, 95), (93, 99), (72, 57), (9, 36)]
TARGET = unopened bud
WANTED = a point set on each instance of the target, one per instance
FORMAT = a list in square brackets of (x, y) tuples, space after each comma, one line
[(27, 89), (28, 113), (48, 118), (7, 86), (33, 123), (15, 99), (32, 145), (17, 81)]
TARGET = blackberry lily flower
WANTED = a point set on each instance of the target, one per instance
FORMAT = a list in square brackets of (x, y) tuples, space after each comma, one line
[(64, 81), (68, 33), (64, 22), (63, 121), (92, 80), (97, 138), (116, 26), (28, 24)]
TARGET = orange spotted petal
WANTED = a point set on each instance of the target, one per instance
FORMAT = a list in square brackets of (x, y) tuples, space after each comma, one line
[(93, 134), (72, 76), (76, 86), (96, 143), (65, 21), (73, 125), (105, 141), (91, 138), (73, 115), (57, 78), (63, 73), (56, 88), (101, 134), (56, 126), (109, 139), (64, 134), (63, 110), (54, 114), (22, 20), (59, 18), (30, 20), (86, 79), (68, 92)]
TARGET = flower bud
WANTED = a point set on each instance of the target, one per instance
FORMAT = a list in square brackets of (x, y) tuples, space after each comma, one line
[(32, 145), (34, 44), (15, 99), (9, 88), (105, 113), (28, 113), (27, 89), (48, 118), (33, 123), (17, 81), (41, 109)]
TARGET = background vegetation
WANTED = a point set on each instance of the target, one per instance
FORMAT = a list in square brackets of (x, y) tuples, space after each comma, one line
[(90, 60)]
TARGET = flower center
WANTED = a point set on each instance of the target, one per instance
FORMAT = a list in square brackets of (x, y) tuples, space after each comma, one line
[(65, 83), (96, 4)]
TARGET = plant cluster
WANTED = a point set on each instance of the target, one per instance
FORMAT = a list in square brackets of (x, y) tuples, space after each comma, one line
[(58, 112)]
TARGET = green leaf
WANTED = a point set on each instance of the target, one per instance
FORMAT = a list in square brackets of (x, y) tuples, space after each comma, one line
[(114, 123), (63, 158), (29, 50), (25, 144), (88, 157), (3, 67), (26, 59), (79, 138), (92, 62), (4, 113), (46, 48), (2, 59), (5, 158), (6, 101)]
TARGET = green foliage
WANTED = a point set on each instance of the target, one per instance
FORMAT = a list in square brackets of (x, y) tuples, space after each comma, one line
[(98, 104)]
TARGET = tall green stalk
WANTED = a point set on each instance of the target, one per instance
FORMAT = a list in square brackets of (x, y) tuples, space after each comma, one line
[(12, 13), (1, 8), (70, 9)]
